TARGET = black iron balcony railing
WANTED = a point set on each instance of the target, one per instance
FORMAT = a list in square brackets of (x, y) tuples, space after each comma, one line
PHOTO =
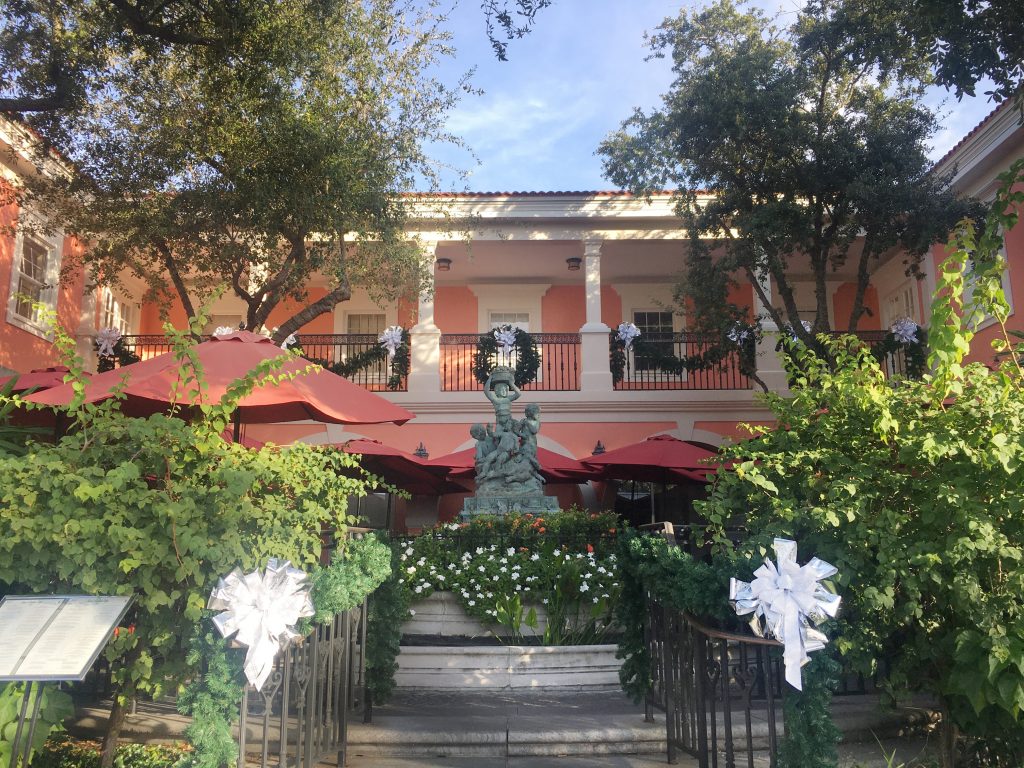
[(329, 348), (324, 348), (559, 362), (645, 369)]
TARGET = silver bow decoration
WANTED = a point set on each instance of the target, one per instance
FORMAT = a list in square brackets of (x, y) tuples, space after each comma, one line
[(905, 330), (292, 339), (788, 601), (223, 330), (391, 339), (106, 339), (262, 609), (506, 337), (627, 332)]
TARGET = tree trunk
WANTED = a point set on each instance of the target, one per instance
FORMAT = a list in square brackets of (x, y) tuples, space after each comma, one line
[(319, 307), (118, 713)]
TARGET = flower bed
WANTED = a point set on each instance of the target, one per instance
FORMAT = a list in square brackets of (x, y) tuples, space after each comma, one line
[(502, 570)]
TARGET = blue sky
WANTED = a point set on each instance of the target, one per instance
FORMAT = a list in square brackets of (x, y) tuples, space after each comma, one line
[(570, 82)]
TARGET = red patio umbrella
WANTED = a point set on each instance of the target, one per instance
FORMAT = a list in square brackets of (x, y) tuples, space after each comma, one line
[(320, 395), (404, 470), (554, 467), (37, 379), (659, 459)]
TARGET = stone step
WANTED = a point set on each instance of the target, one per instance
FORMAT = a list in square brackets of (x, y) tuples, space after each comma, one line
[(507, 724)]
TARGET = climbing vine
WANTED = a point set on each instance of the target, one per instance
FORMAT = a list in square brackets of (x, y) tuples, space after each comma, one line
[(526, 355)]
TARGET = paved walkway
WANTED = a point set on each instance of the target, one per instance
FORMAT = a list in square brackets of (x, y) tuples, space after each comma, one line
[(535, 729)]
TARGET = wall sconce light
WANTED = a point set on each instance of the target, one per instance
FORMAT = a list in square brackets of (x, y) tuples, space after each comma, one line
[(421, 451), (443, 265), (573, 263), (599, 448)]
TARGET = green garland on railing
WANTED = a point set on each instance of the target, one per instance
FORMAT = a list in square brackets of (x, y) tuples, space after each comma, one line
[(666, 362), (648, 566), (485, 359), (388, 609), (213, 695), (370, 357)]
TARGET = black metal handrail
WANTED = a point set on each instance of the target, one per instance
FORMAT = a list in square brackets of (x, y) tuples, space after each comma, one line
[(712, 686), (332, 348), (559, 362), (299, 718)]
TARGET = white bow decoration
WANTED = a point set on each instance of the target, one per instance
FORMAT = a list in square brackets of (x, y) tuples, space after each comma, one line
[(289, 341), (106, 339), (627, 332), (262, 609), (738, 334), (506, 337), (787, 602), (391, 339), (905, 330), (223, 330)]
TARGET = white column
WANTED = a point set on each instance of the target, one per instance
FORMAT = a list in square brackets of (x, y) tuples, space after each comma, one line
[(596, 375), (85, 334), (769, 362), (425, 340)]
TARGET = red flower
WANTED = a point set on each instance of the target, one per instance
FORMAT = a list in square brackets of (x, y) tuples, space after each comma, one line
[(590, 548)]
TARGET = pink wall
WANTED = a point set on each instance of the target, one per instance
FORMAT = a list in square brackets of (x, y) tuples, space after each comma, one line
[(20, 350), (842, 305), (455, 309)]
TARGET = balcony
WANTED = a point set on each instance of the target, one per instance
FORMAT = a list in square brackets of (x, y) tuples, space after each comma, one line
[(559, 362), (643, 372)]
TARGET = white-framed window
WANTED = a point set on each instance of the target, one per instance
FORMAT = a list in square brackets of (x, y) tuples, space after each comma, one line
[(221, 321), (520, 320), (366, 323), (969, 283), (657, 329), (900, 303), (117, 313), (35, 273)]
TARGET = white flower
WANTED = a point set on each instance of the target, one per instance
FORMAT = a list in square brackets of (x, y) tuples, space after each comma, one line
[(408, 551), (557, 553), (519, 587), (402, 558), (481, 569), (421, 561), (412, 612), (510, 551), (597, 599), (418, 590), (411, 569), (479, 550), (503, 561), (503, 569), (490, 595), (514, 574), (905, 330), (584, 587), (545, 601), (626, 333), (440, 577), (600, 569), (452, 526), (223, 330), (471, 603), (535, 557)]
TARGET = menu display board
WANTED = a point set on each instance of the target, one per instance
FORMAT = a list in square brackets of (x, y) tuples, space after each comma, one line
[(55, 637)]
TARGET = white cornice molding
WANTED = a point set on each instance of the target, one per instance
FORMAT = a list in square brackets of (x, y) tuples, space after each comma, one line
[(973, 158)]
